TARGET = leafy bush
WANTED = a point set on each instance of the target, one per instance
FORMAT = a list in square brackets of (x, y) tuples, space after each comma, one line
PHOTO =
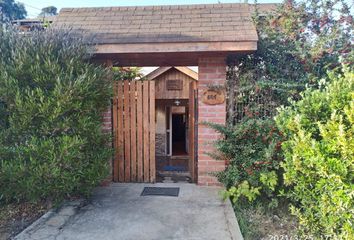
[(52, 99), (319, 157), (124, 73), (252, 149)]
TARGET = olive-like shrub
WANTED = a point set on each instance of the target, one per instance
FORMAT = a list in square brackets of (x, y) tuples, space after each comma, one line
[(51, 103)]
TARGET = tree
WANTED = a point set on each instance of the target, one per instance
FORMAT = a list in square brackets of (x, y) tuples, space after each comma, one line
[(11, 10), (48, 11), (316, 34), (298, 43)]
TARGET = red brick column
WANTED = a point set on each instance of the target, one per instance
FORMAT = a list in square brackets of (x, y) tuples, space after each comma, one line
[(107, 128), (107, 121), (212, 71)]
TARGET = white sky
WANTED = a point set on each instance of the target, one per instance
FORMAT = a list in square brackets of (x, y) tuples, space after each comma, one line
[(34, 7), (146, 70)]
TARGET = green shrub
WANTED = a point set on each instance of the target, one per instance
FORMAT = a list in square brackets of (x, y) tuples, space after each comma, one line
[(252, 148), (52, 99), (319, 157)]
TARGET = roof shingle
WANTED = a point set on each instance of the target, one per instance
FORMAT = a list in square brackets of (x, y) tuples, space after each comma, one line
[(180, 23)]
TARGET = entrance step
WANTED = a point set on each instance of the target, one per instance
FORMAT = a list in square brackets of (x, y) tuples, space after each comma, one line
[(173, 177)]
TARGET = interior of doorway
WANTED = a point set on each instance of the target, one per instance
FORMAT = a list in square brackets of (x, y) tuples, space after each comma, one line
[(179, 134), (175, 164)]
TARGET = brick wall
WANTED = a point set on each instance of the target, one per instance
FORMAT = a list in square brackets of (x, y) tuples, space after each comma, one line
[(212, 71), (107, 121), (107, 128)]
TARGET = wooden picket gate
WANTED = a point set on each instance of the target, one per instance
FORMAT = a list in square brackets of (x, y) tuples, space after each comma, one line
[(134, 131)]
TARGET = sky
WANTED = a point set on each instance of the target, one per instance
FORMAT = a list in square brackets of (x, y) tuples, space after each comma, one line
[(34, 7)]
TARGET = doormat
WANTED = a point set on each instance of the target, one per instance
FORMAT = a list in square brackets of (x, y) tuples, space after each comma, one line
[(160, 191), (175, 168)]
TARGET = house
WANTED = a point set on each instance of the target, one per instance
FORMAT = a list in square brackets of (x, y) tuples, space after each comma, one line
[(30, 24)]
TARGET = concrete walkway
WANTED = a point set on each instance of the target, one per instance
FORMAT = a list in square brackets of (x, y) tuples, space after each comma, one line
[(119, 212)]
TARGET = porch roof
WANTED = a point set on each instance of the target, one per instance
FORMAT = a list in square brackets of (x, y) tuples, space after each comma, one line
[(189, 30)]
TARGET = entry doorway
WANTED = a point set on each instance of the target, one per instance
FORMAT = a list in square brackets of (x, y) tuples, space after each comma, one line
[(179, 126), (177, 138), (175, 93)]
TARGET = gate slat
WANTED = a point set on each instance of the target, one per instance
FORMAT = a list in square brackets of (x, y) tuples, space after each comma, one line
[(146, 130), (126, 131), (140, 131), (120, 132), (133, 142), (152, 131), (115, 133)]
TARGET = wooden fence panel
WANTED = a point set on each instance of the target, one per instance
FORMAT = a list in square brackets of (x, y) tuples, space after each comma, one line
[(134, 131), (152, 131), (119, 138), (146, 139), (139, 125), (115, 133), (133, 142), (126, 132)]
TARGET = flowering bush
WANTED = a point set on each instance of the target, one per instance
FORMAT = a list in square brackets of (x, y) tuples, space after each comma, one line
[(252, 149)]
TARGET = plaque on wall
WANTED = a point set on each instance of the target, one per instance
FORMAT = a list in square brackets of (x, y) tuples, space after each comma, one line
[(213, 96), (174, 84)]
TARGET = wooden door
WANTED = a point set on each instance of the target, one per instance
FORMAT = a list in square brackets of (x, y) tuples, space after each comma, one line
[(192, 118), (134, 131)]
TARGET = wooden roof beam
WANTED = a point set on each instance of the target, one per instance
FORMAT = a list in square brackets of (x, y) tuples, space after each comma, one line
[(175, 47)]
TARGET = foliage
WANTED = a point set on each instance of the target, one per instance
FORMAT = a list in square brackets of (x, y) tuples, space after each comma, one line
[(319, 157), (243, 189), (11, 10), (48, 11), (51, 141), (252, 149), (298, 43), (304, 39), (126, 73)]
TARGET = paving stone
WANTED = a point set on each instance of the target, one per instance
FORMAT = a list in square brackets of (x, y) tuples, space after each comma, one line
[(67, 211), (57, 221)]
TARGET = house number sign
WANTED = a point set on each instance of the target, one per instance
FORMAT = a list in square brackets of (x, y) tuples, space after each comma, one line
[(213, 97)]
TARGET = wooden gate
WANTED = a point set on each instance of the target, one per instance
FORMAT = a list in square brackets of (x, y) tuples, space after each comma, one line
[(134, 131)]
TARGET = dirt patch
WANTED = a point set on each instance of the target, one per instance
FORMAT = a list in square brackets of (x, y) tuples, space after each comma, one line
[(16, 217), (259, 223)]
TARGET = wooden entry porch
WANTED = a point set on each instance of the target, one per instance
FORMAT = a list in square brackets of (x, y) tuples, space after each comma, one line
[(134, 131)]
